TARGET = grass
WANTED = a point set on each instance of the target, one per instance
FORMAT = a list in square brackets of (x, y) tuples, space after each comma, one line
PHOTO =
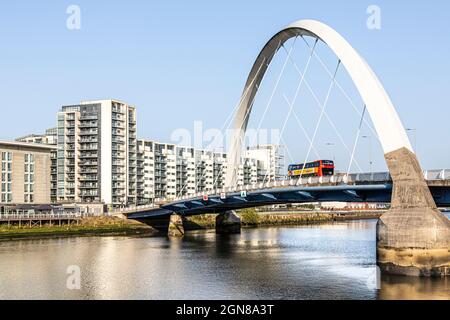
[(251, 218), (88, 226)]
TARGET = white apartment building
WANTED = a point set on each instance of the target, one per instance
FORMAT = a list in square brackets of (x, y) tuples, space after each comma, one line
[(166, 171), (270, 162), (99, 159), (186, 171), (97, 153)]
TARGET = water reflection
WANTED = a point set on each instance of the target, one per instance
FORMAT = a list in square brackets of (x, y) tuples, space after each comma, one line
[(407, 288), (333, 261)]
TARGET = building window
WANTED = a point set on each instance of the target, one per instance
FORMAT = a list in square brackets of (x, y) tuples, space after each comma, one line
[(29, 178), (6, 190)]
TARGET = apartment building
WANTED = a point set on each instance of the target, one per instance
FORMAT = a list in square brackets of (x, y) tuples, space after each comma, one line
[(50, 137), (98, 159), (167, 171), (97, 153), (25, 173), (186, 171), (270, 162)]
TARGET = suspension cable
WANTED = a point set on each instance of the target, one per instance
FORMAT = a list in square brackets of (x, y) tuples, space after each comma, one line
[(302, 127), (320, 117), (319, 105), (276, 85), (297, 91), (242, 98), (339, 86), (356, 140)]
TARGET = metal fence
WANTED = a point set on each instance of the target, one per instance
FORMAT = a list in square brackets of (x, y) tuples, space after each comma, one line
[(43, 216)]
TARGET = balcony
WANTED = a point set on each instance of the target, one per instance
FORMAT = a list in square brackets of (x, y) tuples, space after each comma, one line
[(89, 125), (88, 178), (88, 171), (118, 117), (89, 155), (118, 125), (88, 193), (89, 148), (88, 117), (88, 163), (118, 148), (116, 109), (88, 132), (89, 186), (117, 140), (89, 140)]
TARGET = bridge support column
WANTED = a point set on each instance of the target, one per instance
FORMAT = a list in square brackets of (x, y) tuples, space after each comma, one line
[(228, 222), (413, 237), (176, 229)]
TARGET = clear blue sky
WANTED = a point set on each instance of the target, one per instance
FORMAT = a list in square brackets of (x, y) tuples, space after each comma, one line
[(181, 61)]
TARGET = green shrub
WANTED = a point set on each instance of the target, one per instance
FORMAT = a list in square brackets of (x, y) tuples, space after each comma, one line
[(249, 217)]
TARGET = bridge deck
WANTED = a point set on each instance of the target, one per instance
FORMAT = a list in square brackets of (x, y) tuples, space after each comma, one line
[(286, 192)]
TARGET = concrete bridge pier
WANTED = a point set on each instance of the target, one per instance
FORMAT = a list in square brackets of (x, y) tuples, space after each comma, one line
[(228, 222), (413, 237), (176, 229)]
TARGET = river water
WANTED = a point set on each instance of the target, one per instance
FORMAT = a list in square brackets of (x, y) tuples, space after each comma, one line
[(330, 261)]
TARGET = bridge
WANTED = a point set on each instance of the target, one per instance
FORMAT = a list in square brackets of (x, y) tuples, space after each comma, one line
[(413, 237), (366, 187)]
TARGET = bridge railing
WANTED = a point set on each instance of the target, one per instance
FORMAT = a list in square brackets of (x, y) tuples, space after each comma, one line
[(43, 216), (442, 174), (134, 208)]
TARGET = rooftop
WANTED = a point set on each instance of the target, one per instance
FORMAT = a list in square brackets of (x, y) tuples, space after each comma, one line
[(26, 145)]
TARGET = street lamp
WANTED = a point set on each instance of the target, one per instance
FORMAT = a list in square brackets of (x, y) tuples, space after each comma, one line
[(331, 144), (370, 151), (414, 131)]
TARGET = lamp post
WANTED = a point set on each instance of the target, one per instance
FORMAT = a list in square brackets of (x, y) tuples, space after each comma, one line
[(414, 132), (370, 151), (331, 144)]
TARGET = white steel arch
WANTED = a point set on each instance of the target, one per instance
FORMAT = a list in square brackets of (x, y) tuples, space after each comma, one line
[(386, 121)]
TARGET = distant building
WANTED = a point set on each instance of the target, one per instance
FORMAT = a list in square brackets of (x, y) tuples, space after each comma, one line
[(49, 137), (97, 153), (354, 206), (270, 162), (25, 173), (167, 171), (98, 159)]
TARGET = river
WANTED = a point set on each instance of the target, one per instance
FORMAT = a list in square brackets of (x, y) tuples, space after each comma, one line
[(329, 261)]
